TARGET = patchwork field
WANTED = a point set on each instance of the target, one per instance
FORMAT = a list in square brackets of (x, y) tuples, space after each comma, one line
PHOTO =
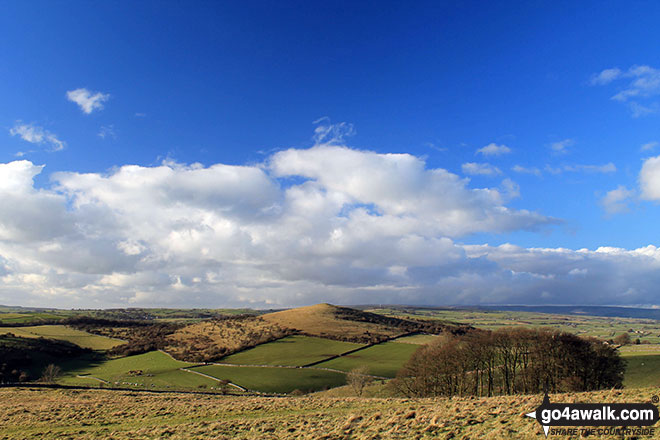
[(292, 350), (63, 333), (647, 330), (276, 379), (23, 318), (383, 359), (94, 414)]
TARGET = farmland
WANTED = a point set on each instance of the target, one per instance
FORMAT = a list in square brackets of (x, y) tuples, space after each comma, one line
[(647, 330), (382, 360), (276, 379), (256, 343), (292, 351), (156, 371), (63, 333)]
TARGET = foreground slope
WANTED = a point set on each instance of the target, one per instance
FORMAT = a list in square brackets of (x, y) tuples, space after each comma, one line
[(56, 414)]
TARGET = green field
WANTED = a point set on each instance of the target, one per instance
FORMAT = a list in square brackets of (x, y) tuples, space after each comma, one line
[(383, 359), (274, 379), (292, 351), (602, 327), (23, 318), (158, 371), (78, 337), (642, 371)]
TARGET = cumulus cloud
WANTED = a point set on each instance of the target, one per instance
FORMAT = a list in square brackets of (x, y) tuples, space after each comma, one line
[(649, 179), (480, 169), (36, 135), (493, 149), (616, 201), (328, 223), (87, 100)]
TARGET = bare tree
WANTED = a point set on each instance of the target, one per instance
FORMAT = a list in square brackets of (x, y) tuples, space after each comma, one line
[(358, 378), (50, 373)]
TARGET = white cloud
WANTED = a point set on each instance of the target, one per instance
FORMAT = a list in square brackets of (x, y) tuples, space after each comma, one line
[(616, 201), (493, 149), (605, 77), (87, 101), (649, 179), (327, 133), (649, 146), (606, 168), (526, 170), (36, 135), (324, 224), (643, 82), (480, 169), (561, 147), (107, 131)]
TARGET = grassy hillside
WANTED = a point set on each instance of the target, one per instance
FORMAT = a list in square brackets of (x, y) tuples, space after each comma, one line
[(157, 370), (63, 333), (57, 414), (383, 359), (275, 379), (210, 340), (322, 320), (292, 350)]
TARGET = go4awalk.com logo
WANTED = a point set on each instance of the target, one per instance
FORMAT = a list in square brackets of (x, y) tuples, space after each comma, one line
[(610, 418)]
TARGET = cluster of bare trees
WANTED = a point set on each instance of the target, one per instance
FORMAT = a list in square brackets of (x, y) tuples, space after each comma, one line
[(511, 361)]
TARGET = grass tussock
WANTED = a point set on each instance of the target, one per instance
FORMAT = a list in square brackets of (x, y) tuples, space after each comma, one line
[(61, 414)]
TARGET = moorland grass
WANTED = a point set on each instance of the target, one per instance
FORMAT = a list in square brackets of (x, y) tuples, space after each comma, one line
[(96, 414), (275, 379), (382, 359), (293, 351)]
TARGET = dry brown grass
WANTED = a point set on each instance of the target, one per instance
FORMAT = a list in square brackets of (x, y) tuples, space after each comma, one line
[(322, 320), (68, 414), (210, 340)]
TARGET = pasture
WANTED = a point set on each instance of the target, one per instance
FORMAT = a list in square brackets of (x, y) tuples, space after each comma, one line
[(642, 371), (382, 359), (157, 371), (24, 318), (647, 330), (63, 333), (292, 351), (276, 379)]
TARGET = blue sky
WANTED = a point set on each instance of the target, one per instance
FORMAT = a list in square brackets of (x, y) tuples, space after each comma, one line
[(544, 115)]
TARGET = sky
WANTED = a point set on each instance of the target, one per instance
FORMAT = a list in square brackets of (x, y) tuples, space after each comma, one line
[(275, 154)]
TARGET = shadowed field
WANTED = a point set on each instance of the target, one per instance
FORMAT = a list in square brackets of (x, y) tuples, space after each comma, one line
[(68, 414)]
